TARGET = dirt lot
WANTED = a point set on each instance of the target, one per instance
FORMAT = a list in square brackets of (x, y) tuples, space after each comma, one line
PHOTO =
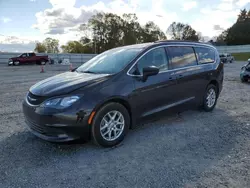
[(193, 149)]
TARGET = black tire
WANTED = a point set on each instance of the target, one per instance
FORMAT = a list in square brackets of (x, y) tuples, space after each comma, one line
[(95, 130), (16, 63), (243, 80), (207, 107)]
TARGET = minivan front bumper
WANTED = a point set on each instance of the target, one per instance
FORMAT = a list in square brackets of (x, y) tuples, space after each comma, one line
[(56, 127)]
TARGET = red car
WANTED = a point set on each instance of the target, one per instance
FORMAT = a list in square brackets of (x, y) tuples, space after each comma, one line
[(28, 58)]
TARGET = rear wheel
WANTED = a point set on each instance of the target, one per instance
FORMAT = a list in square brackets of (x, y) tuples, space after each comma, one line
[(110, 125), (43, 62), (210, 98)]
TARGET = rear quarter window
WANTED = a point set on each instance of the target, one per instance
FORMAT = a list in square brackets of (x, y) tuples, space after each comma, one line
[(205, 55)]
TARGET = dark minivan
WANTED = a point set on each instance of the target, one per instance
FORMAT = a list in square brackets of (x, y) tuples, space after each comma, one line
[(106, 96)]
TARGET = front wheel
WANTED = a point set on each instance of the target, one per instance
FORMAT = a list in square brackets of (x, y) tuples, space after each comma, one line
[(110, 125), (16, 63), (210, 98)]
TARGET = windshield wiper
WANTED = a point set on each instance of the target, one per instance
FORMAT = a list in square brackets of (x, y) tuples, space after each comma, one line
[(91, 72)]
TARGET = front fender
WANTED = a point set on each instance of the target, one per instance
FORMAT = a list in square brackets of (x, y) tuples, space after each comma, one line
[(123, 101)]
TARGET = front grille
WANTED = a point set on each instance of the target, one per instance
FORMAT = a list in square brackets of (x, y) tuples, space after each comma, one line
[(34, 99), (41, 129), (37, 128)]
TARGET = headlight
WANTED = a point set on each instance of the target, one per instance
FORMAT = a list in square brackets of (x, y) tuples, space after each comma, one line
[(60, 103)]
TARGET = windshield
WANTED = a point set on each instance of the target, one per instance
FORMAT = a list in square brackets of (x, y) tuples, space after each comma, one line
[(110, 62)]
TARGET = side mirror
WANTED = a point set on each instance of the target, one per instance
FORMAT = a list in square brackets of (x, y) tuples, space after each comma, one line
[(149, 71), (74, 69)]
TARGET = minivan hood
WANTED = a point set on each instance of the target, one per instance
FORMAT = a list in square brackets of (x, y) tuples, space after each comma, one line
[(13, 58), (65, 83)]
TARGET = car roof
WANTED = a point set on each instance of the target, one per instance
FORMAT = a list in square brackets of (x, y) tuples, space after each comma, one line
[(166, 42), (184, 42), (135, 46)]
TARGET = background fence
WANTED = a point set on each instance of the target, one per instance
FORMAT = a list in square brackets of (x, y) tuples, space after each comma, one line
[(72, 58), (233, 49), (82, 58)]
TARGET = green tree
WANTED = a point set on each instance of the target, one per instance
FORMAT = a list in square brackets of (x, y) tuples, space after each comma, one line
[(222, 38), (151, 33), (110, 30), (239, 33), (242, 16), (97, 25), (40, 48), (107, 31), (131, 29), (76, 47), (73, 47), (180, 31), (84, 40), (52, 45)]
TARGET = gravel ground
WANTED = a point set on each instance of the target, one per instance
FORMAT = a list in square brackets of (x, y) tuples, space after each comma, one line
[(192, 149)]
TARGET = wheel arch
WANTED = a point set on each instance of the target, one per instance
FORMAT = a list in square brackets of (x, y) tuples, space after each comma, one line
[(216, 84), (121, 100)]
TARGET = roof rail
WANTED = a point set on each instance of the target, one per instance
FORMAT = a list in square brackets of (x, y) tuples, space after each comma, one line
[(176, 41)]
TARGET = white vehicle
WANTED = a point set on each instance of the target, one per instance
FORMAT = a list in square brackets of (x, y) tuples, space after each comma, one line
[(64, 62), (225, 58)]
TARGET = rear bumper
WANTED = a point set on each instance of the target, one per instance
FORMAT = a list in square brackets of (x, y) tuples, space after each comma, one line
[(56, 127)]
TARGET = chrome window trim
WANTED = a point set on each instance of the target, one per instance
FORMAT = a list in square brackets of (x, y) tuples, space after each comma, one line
[(175, 45)]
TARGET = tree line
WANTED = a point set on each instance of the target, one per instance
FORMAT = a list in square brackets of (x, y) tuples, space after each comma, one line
[(238, 33), (106, 30)]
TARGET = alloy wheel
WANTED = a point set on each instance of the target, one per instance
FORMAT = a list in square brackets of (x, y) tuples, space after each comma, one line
[(112, 125), (211, 98)]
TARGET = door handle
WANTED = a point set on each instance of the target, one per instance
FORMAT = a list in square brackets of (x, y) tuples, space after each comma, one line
[(170, 78), (180, 75)]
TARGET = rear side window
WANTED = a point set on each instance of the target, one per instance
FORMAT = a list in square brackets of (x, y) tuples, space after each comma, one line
[(181, 56), (205, 55)]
